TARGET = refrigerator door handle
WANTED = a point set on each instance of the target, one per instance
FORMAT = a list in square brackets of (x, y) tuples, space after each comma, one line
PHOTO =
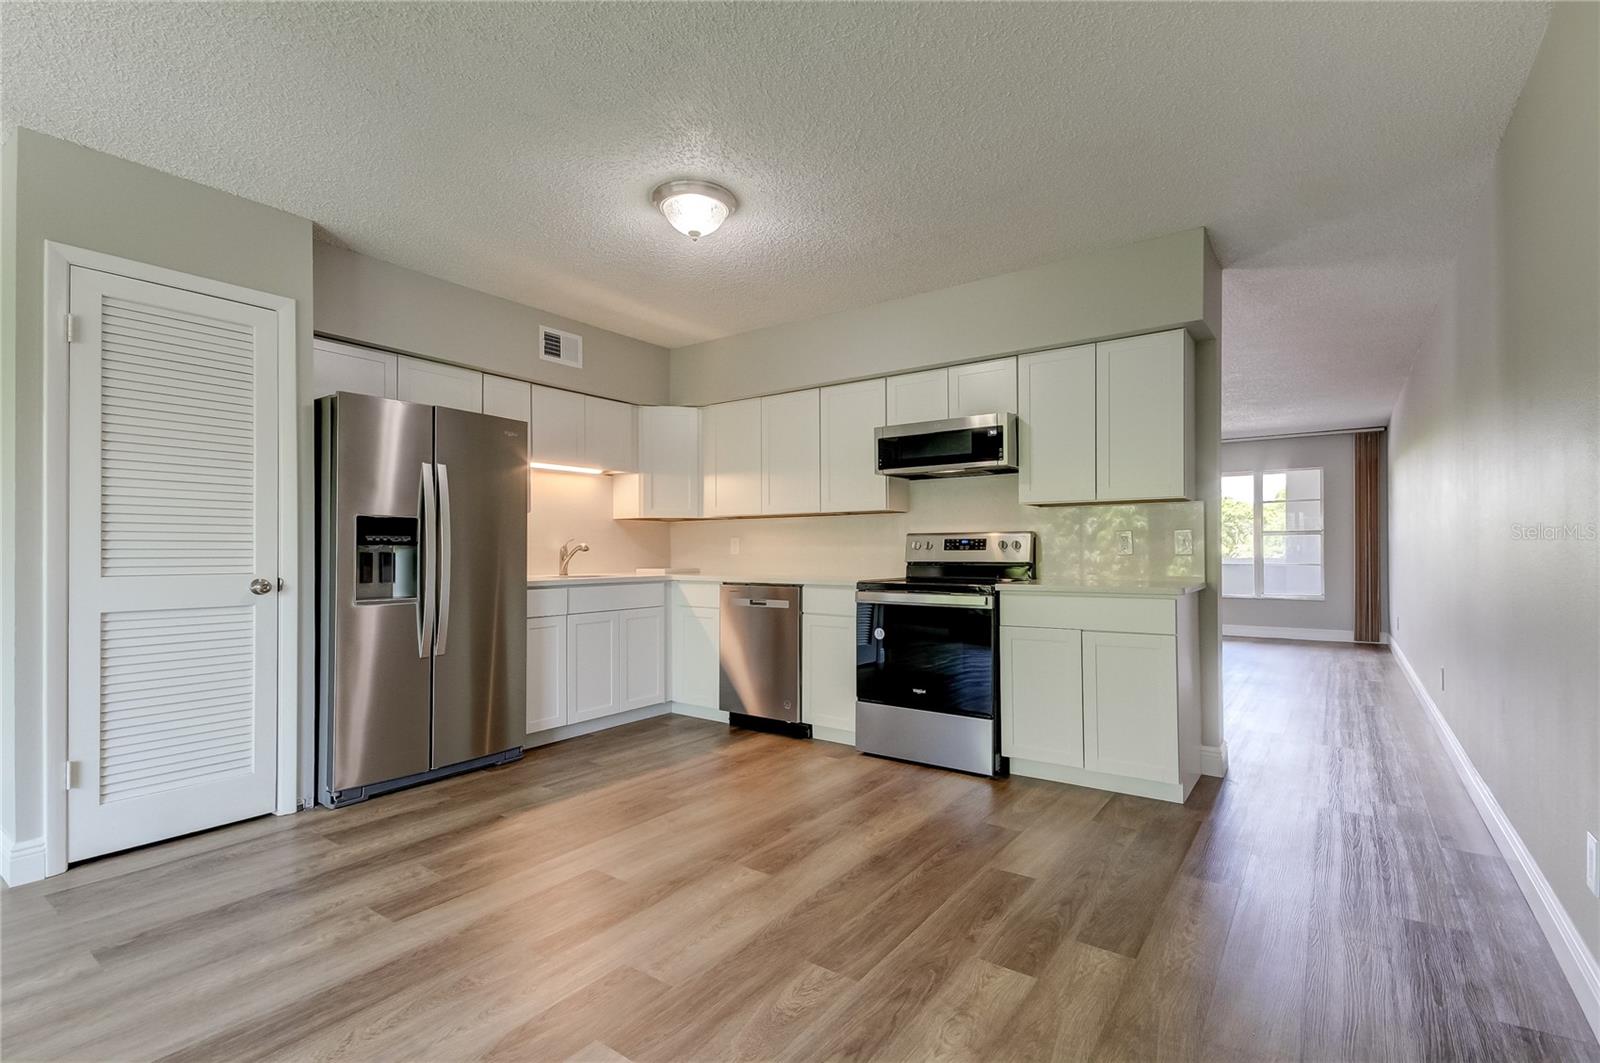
[(444, 560), (430, 564)]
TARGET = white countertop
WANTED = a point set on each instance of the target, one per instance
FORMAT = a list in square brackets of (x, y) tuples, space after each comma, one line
[(1160, 589), (1154, 589), (581, 580)]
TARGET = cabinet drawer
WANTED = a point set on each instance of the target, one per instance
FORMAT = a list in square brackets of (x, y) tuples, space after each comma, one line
[(615, 596), (547, 601), (1154, 616), (697, 595), (828, 601)]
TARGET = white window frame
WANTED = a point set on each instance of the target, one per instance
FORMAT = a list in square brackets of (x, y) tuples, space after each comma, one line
[(1259, 561)]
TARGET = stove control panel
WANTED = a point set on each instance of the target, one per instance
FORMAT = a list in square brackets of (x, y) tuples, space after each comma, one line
[(983, 547)]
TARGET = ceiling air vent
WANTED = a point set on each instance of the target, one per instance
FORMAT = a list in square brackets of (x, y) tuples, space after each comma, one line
[(563, 348)]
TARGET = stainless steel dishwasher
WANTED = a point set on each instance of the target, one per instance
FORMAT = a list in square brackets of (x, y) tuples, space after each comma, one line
[(760, 655)]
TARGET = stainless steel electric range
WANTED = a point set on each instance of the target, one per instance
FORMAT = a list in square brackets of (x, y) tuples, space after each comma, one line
[(928, 650)]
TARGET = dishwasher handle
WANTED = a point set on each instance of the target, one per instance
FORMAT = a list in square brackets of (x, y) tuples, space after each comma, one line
[(761, 603)]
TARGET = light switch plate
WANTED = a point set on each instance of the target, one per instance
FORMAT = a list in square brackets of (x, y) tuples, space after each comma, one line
[(1591, 876), (733, 545), (1183, 542), (1125, 543)]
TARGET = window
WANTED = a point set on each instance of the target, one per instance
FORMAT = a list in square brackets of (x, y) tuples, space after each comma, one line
[(1272, 534)]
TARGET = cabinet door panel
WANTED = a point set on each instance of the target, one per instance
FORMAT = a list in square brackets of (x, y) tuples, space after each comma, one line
[(504, 397), (594, 666), (850, 414), (1144, 388), (1130, 705), (346, 367), (609, 435), (1056, 407), (644, 657), (791, 452), (695, 631), (555, 434), (983, 387), (917, 397), (438, 384), (1041, 700), (669, 461), (732, 458), (828, 676), (547, 673)]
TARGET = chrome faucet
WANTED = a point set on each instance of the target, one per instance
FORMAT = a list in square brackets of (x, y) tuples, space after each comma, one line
[(569, 551)]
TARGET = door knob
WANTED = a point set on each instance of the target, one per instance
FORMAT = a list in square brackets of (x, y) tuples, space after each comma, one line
[(260, 586)]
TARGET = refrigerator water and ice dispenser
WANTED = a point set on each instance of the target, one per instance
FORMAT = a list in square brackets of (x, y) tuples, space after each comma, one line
[(386, 559)]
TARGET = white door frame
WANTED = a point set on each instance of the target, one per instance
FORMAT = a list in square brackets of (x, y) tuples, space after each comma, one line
[(58, 262)]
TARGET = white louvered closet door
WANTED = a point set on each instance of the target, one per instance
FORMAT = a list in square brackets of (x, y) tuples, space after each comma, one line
[(173, 512)]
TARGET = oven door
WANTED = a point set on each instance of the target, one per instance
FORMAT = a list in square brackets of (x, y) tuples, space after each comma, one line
[(934, 651)]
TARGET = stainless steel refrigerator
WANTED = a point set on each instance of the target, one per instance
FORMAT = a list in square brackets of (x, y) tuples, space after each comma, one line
[(422, 562)]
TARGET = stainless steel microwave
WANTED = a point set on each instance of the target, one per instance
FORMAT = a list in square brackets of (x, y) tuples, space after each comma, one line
[(960, 446)]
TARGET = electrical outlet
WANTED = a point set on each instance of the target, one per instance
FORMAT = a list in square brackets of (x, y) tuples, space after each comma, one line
[(1183, 542), (1125, 543), (1590, 874), (733, 546)]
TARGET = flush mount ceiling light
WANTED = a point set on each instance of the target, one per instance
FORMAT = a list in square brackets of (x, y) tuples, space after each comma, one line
[(694, 208)]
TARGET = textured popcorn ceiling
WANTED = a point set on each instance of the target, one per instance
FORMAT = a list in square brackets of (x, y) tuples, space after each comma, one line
[(878, 150)]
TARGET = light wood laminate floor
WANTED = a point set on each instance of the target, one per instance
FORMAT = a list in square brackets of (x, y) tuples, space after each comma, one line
[(673, 891)]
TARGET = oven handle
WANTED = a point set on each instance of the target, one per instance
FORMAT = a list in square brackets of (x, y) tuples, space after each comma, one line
[(945, 601)]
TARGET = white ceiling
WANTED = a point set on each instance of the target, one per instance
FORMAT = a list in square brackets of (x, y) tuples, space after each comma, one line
[(878, 150)]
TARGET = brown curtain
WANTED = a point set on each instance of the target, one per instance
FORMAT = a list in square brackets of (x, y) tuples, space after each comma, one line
[(1369, 536)]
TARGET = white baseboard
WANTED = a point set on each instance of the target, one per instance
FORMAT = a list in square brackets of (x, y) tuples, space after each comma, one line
[(1577, 962), (1297, 634), (1214, 760), (21, 862), (575, 730), (699, 712)]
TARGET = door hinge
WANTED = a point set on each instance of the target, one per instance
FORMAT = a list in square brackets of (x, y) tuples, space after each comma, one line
[(71, 774), (72, 329)]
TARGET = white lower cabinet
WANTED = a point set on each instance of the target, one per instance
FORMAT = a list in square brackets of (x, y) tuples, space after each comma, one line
[(642, 666), (1130, 705), (828, 672), (594, 658), (547, 672), (1041, 695), (694, 642), (1116, 708)]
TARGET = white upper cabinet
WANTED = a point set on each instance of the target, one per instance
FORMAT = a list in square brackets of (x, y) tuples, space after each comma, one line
[(791, 426), (555, 433), (572, 429), (850, 480), (609, 435), (1056, 421), (1144, 417), (914, 397), (668, 482), (504, 397), (438, 384), (731, 458), (346, 367), (983, 387)]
